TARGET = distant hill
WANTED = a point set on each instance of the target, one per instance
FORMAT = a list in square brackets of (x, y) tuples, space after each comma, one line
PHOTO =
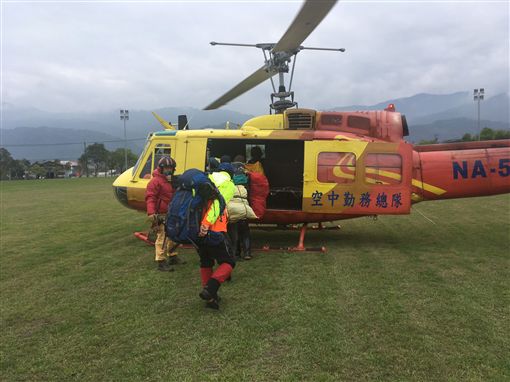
[(141, 122), (451, 129), (33, 126), (64, 144), (494, 109), (418, 105)]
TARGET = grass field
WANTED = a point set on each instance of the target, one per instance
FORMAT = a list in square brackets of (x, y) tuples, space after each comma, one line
[(396, 299)]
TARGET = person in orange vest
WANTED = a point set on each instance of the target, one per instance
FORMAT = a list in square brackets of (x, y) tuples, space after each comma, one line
[(157, 197), (220, 253)]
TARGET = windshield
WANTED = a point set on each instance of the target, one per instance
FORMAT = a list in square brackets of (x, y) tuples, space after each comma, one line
[(142, 155)]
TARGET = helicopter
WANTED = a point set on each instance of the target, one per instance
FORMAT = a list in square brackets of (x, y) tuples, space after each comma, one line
[(323, 166)]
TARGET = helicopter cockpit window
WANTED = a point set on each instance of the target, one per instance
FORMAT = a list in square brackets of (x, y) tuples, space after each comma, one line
[(383, 169), (161, 150), (147, 169), (336, 167)]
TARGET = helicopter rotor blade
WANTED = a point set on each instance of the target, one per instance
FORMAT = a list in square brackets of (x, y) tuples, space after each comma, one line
[(257, 77), (311, 14)]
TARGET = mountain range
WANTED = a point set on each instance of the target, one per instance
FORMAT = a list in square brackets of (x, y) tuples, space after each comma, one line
[(24, 129)]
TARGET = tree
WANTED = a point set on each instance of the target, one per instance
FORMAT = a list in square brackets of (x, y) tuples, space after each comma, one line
[(117, 159), (5, 163), (38, 170), (502, 134), (83, 163), (97, 155), (467, 138), (18, 168), (486, 134), (429, 142)]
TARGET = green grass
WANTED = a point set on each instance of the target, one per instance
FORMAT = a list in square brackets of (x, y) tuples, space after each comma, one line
[(395, 299)]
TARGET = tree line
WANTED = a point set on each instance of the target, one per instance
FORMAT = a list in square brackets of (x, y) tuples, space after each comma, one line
[(487, 134), (95, 159)]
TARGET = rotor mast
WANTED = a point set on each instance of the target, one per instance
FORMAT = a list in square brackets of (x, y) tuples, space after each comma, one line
[(278, 63), (277, 57)]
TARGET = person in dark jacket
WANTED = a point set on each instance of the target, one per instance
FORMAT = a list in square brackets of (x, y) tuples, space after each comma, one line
[(256, 162), (239, 230), (157, 197)]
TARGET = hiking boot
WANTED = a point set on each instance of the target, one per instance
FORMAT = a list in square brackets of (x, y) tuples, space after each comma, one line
[(164, 267), (210, 290), (206, 295), (210, 294), (210, 301), (212, 304), (176, 260)]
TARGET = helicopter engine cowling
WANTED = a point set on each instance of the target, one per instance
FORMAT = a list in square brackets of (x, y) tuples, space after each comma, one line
[(379, 124)]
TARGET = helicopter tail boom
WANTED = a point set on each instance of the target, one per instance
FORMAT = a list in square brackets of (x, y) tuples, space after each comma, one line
[(460, 170)]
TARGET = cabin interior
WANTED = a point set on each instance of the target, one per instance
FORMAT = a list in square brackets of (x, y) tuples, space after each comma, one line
[(283, 162)]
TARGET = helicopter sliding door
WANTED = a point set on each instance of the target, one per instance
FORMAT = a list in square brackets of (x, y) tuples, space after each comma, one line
[(357, 177)]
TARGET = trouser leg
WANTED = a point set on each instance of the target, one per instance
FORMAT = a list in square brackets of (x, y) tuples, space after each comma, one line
[(206, 264), (233, 234), (170, 248), (245, 237), (160, 250), (205, 275), (222, 273), (221, 253)]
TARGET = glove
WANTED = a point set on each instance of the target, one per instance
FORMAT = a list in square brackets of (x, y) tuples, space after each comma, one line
[(203, 230), (153, 219)]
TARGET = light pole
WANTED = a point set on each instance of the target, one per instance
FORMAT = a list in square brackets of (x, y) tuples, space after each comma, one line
[(478, 95), (124, 116)]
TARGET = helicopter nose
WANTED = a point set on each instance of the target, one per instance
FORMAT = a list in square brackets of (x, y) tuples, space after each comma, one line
[(121, 195)]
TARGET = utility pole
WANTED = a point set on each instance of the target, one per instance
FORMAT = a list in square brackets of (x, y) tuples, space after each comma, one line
[(478, 95), (124, 116), (86, 159)]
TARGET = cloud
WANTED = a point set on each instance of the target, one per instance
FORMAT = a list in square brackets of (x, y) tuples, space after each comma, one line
[(100, 56)]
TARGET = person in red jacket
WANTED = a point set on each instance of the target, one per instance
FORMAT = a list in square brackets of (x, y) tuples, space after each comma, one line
[(158, 195)]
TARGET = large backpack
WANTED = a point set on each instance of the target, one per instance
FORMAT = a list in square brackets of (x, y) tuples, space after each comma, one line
[(258, 192), (194, 190)]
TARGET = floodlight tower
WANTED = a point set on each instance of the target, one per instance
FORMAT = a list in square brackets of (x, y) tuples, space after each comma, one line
[(478, 95), (124, 116)]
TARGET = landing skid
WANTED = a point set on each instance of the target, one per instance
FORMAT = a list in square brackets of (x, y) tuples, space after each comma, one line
[(144, 236), (301, 243)]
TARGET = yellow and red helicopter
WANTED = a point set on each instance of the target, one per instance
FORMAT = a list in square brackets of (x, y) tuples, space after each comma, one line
[(325, 166)]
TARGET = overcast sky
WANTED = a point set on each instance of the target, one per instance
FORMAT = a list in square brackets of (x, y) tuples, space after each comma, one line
[(87, 56)]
